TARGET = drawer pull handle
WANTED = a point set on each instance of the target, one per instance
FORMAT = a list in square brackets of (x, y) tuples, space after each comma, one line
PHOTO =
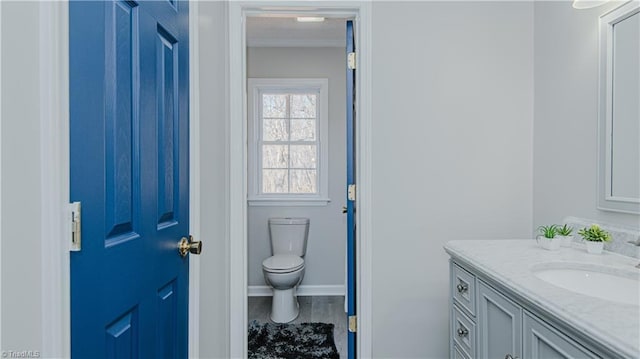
[(509, 356), (462, 287), (463, 332)]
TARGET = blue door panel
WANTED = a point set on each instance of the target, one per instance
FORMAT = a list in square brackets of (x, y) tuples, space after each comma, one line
[(167, 317), (122, 167), (129, 98), (122, 337), (167, 118)]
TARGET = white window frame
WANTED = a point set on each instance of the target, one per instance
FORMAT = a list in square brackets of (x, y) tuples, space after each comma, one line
[(256, 86)]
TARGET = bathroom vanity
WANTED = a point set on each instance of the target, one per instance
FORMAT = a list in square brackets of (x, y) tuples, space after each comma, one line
[(513, 299)]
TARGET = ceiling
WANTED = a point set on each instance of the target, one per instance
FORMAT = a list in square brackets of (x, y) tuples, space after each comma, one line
[(285, 31)]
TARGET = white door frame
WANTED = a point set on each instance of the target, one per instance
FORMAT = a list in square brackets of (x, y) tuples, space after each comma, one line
[(194, 178), (55, 183), (237, 166)]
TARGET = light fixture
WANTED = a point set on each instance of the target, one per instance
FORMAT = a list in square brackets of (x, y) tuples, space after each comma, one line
[(309, 19), (588, 4)]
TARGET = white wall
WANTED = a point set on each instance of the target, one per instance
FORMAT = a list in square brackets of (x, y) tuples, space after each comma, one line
[(324, 261), (214, 283), (566, 115), (21, 197), (452, 154)]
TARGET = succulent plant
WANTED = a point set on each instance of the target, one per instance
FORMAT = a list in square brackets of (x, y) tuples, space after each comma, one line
[(595, 234), (548, 231), (565, 230)]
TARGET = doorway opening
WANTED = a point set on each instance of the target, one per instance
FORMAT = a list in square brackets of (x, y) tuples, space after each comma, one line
[(297, 168), (240, 163)]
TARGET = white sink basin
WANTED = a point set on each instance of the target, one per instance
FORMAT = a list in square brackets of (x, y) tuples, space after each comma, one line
[(594, 281)]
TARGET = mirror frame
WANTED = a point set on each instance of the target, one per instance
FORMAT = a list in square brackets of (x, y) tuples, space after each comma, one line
[(606, 200)]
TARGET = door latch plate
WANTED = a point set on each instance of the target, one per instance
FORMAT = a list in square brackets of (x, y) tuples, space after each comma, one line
[(353, 323), (76, 227), (351, 192)]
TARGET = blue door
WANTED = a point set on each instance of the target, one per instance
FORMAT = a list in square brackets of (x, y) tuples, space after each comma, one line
[(351, 199), (129, 98)]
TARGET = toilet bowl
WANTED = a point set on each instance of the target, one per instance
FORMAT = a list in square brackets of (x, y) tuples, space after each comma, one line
[(284, 270), (283, 273)]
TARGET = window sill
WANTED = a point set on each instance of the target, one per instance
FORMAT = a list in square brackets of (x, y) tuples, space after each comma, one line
[(289, 202)]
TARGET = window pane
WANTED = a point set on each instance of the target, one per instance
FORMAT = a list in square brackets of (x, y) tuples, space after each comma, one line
[(275, 156), (274, 106), (274, 130), (303, 106), (275, 181), (303, 181), (303, 156), (303, 130)]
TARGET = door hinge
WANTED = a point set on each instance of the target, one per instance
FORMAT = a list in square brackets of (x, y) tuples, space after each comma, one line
[(351, 192), (76, 226), (351, 61), (353, 323)]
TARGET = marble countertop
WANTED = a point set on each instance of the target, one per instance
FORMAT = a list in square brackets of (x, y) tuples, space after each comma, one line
[(510, 262)]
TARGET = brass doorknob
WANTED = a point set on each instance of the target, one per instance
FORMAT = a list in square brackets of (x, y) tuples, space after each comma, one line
[(188, 245)]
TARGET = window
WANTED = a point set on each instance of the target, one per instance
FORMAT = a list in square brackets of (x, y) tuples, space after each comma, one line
[(288, 141)]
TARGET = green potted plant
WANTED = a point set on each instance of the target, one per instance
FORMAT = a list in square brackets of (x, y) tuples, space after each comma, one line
[(565, 234), (594, 237), (547, 237)]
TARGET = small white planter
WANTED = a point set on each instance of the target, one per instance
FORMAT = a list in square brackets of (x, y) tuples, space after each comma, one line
[(552, 244), (594, 247), (565, 241)]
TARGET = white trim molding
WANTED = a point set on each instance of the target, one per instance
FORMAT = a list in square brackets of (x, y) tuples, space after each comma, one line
[(237, 162), (236, 167), (54, 184), (364, 219), (194, 179), (303, 290)]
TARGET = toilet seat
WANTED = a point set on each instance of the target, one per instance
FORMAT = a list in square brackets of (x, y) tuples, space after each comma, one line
[(282, 263)]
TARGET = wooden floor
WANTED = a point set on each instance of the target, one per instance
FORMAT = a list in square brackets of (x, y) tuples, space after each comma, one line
[(312, 309)]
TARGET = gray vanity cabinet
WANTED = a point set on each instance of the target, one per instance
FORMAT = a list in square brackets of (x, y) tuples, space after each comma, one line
[(488, 323), (499, 324)]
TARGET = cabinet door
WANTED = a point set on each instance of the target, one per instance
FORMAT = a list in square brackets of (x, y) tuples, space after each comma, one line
[(458, 353), (499, 323), (544, 342)]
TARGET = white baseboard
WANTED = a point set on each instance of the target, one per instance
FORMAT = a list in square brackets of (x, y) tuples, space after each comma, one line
[(303, 290)]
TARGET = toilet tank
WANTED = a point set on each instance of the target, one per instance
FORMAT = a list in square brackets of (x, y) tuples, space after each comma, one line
[(289, 235)]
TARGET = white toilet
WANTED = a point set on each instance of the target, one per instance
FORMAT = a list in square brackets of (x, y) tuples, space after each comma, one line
[(284, 270)]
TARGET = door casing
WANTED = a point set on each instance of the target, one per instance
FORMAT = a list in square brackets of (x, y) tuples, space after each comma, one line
[(237, 165), (54, 101)]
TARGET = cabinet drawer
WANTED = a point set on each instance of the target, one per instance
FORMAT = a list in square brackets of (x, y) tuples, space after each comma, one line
[(463, 332), (463, 289)]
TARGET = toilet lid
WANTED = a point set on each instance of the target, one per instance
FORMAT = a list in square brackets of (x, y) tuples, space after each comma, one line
[(283, 263)]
